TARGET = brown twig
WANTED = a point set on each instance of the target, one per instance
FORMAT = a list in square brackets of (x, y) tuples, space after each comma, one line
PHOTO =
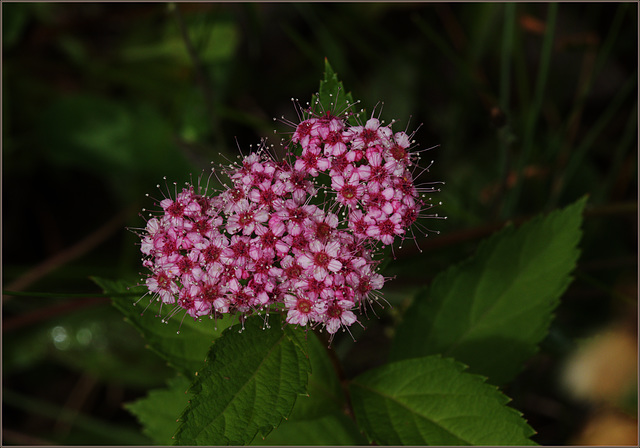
[(476, 233), (83, 388), (74, 252), (19, 438), (45, 313)]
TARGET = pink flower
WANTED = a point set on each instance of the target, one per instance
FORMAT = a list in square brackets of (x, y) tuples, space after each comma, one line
[(296, 244), (409, 215), (303, 132), (266, 238), (300, 309), (321, 226), (291, 273), (205, 296), (246, 218), (350, 191), (297, 183), (321, 259), (371, 133), (311, 161), (163, 286), (365, 282), (397, 151), (294, 215), (189, 267), (339, 165), (237, 252), (406, 191), (326, 124), (154, 232), (243, 173), (334, 144), (377, 199), (358, 224), (267, 195), (386, 229), (317, 290), (379, 171), (337, 314), (232, 198)]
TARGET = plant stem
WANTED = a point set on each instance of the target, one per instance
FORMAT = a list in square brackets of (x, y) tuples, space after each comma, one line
[(505, 90)]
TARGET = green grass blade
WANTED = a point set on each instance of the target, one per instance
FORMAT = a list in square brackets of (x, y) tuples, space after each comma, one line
[(506, 52), (534, 111), (579, 153), (625, 145)]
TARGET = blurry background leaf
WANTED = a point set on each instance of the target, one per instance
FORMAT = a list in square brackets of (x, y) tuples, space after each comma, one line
[(126, 146), (94, 341), (13, 24)]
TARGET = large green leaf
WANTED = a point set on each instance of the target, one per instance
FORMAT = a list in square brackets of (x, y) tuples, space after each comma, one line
[(317, 418), (331, 429), (249, 383), (431, 401), (492, 311), (158, 411), (184, 343)]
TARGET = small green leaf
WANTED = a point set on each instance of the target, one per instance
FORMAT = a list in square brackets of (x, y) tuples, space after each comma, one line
[(492, 311), (249, 383), (431, 401), (158, 411), (331, 95), (317, 418), (185, 350)]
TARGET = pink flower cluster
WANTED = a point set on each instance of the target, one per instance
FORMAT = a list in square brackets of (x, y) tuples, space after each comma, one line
[(370, 170), (267, 241)]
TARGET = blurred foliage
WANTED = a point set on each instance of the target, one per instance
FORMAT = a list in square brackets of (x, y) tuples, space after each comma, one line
[(532, 105)]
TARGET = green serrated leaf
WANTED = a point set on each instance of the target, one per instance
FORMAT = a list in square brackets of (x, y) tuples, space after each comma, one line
[(431, 401), (493, 310), (332, 96), (249, 383), (185, 350), (324, 392), (331, 429), (157, 412), (317, 418)]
